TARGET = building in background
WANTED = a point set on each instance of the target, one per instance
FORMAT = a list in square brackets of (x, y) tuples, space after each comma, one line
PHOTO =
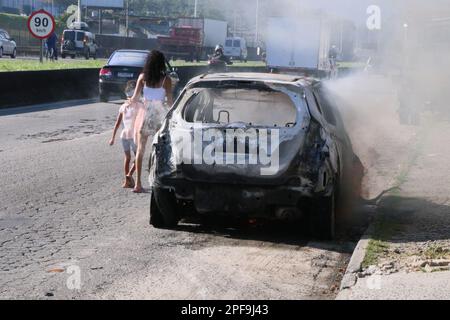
[(28, 6)]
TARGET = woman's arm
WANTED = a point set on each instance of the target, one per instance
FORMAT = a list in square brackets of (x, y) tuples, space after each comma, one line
[(168, 88), (138, 89), (116, 127)]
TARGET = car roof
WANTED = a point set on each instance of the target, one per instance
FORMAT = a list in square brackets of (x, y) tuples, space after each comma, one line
[(132, 50), (254, 76)]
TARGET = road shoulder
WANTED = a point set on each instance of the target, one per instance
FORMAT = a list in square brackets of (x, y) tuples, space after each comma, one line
[(405, 254)]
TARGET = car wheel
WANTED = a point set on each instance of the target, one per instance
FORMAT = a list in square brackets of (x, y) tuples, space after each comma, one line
[(72, 56), (14, 54), (163, 209), (322, 218), (104, 97), (63, 56), (1, 52)]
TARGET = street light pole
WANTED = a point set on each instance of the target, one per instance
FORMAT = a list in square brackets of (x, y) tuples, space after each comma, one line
[(79, 12), (127, 12), (257, 23)]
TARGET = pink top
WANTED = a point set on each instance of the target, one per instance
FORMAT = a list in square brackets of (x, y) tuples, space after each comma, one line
[(129, 113)]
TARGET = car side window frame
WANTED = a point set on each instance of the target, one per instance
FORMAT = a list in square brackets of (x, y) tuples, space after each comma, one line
[(326, 109), (313, 106)]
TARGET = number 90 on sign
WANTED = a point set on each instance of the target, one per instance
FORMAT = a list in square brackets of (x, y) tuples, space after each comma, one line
[(41, 24)]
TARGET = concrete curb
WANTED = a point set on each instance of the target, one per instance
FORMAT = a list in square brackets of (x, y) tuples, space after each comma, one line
[(350, 276)]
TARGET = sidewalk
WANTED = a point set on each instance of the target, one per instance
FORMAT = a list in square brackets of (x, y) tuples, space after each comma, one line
[(408, 252)]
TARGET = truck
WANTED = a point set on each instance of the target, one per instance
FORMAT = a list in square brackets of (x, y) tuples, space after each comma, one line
[(193, 38), (236, 48), (299, 44)]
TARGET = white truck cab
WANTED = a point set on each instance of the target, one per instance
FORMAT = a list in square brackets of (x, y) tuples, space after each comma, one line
[(236, 48)]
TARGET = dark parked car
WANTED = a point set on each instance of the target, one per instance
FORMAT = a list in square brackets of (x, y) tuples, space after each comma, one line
[(124, 66), (315, 156)]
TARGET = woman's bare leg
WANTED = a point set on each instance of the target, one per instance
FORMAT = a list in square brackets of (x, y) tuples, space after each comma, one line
[(142, 141)]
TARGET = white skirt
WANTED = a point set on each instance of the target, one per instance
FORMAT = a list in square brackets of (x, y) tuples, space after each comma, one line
[(155, 113)]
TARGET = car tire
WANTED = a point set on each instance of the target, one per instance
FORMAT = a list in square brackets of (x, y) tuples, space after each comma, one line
[(14, 54), (63, 56), (163, 209), (1, 53), (104, 97), (322, 218), (73, 56)]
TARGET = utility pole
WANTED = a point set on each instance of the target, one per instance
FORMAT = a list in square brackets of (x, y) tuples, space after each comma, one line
[(79, 12), (195, 8), (234, 22), (127, 17), (257, 23)]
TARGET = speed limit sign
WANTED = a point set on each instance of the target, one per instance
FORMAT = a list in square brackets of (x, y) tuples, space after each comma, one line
[(41, 24)]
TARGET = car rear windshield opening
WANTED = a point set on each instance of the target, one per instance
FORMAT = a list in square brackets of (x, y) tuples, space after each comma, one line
[(69, 35), (265, 108), (134, 59)]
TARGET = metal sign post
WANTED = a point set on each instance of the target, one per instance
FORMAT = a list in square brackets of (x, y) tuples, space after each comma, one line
[(41, 56), (41, 25)]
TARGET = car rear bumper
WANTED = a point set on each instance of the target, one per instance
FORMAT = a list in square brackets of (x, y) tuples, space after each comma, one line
[(281, 202), (112, 87)]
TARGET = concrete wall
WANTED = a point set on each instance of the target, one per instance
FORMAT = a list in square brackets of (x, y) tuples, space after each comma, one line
[(35, 87)]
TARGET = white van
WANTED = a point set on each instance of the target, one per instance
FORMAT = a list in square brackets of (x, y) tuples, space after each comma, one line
[(236, 48), (78, 43)]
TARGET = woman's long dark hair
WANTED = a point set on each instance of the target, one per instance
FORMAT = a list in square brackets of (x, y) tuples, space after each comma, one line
[(154, 69)]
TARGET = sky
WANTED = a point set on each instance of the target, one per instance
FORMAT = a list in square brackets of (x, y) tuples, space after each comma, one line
[(352, 9)]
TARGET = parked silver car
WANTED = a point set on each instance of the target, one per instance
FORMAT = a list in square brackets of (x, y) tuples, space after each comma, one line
[(7, 45)]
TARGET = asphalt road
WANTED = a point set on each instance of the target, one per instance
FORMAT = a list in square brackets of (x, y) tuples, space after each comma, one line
[(69, 231)]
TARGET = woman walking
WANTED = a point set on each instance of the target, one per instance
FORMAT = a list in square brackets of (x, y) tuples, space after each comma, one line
[(156, 88)]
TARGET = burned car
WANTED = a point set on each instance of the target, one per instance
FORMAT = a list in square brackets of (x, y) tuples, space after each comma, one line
[(253, 146)]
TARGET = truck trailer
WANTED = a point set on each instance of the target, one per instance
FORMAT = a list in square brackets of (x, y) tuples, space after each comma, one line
[(193, 38), (299, 44)]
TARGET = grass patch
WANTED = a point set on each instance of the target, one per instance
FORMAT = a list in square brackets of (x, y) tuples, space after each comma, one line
[(436, 252), (374, 250), (7, 64), (382, 231)]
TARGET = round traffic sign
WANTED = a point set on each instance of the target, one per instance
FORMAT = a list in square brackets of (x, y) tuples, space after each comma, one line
[(41, 24)]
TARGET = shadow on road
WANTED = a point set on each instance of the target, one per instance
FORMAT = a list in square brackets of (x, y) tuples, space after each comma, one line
[(281, 233), (5, 111), (407, 220)]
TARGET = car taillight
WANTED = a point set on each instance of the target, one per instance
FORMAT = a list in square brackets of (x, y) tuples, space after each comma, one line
[(105, 72)]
